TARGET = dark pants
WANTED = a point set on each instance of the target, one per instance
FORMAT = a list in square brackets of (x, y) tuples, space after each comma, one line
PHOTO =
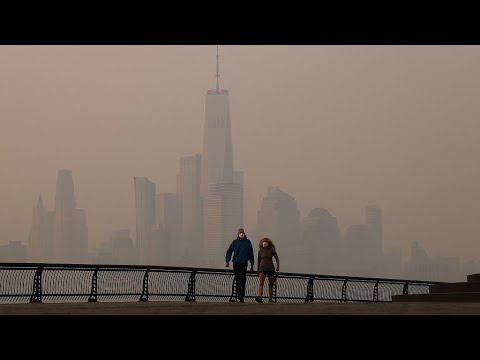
[(240, 270)]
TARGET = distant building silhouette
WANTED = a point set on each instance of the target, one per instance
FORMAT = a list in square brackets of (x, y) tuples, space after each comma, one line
[(359, 248), (40, 238), (320, 243), (168, 213), (145, 192), (279, 219), (363, 247), (188, 188), (14, 251), (102, 254), (123, 251), (391, 265), (160, 245), (80, 248), (118, 249), (420, 266), (70, 233), (373, 218)]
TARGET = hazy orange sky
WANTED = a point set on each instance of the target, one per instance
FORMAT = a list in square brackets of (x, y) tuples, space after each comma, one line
[(337, 127)]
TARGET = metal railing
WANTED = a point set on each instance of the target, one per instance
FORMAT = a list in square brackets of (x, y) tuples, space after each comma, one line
[(54, 283)]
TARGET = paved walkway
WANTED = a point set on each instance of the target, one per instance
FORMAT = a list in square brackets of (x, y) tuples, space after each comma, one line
[(208, 308)]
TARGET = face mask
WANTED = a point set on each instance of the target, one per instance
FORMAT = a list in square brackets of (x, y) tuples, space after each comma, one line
[(265, 244), (241, 235)]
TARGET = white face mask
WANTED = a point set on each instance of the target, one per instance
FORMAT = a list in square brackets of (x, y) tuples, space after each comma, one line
[(265, 244), (241, 235)]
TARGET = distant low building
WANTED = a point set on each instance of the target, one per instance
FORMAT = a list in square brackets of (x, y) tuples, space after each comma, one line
[(15, 251), (420, 266)]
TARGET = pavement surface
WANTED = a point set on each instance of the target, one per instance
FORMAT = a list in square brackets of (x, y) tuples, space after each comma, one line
[(226, 308)]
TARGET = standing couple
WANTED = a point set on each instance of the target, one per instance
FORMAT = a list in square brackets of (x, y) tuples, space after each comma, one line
[(242, 251)]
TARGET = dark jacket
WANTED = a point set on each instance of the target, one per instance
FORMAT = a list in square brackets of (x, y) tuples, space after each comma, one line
[(265, 259), (242, 251)]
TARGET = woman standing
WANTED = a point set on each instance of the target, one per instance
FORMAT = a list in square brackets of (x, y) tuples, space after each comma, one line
[(265, 267)]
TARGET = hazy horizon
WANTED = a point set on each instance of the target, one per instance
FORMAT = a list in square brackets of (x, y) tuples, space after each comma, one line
[(336, 127)]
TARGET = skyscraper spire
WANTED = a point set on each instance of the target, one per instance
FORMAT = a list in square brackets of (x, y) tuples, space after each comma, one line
[(40, 202), (218, 71)]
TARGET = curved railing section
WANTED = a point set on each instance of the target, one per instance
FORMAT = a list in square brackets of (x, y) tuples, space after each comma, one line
[(55, 283)]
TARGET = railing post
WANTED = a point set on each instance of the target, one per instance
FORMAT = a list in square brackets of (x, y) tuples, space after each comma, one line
[(36, 296), (144, 296), (405, 288), (375, 291), (233, 296), (93, 291), (191, 287), (274, 295), (309, 297), (344, 290)]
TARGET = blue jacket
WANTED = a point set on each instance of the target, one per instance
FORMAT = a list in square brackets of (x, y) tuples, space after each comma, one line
[(242, 251)]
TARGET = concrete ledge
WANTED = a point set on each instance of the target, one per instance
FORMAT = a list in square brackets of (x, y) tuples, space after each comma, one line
[(473, 277), (459, 287)]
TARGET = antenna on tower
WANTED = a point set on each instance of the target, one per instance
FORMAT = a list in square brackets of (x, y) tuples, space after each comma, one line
[(218, 71)]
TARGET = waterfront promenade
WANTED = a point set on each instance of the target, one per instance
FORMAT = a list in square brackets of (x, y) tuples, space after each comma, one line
[(248, 308)]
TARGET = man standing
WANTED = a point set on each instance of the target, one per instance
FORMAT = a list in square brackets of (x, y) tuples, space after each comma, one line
[(242, 251)]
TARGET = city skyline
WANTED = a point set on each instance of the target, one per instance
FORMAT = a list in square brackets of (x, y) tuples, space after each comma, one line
[(410, 184)]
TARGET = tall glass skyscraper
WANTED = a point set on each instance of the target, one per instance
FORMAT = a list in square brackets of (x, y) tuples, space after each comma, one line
[(70, 233), (223, 196), (145, 192), (217, 160)]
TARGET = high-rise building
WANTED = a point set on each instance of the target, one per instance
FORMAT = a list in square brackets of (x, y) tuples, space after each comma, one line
[(217, 160), (145, 192), (63, 218), (221, 187), (188, 187), (80, 244), (70, 232), (373, 218), (40, 239), (168, 213), (223, 208)]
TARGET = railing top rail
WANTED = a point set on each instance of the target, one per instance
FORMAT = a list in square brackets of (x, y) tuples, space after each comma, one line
[(113, 267)]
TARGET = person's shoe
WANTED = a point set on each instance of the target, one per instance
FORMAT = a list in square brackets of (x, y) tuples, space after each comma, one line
[(258, 299), (241, 300), (271, 301)]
